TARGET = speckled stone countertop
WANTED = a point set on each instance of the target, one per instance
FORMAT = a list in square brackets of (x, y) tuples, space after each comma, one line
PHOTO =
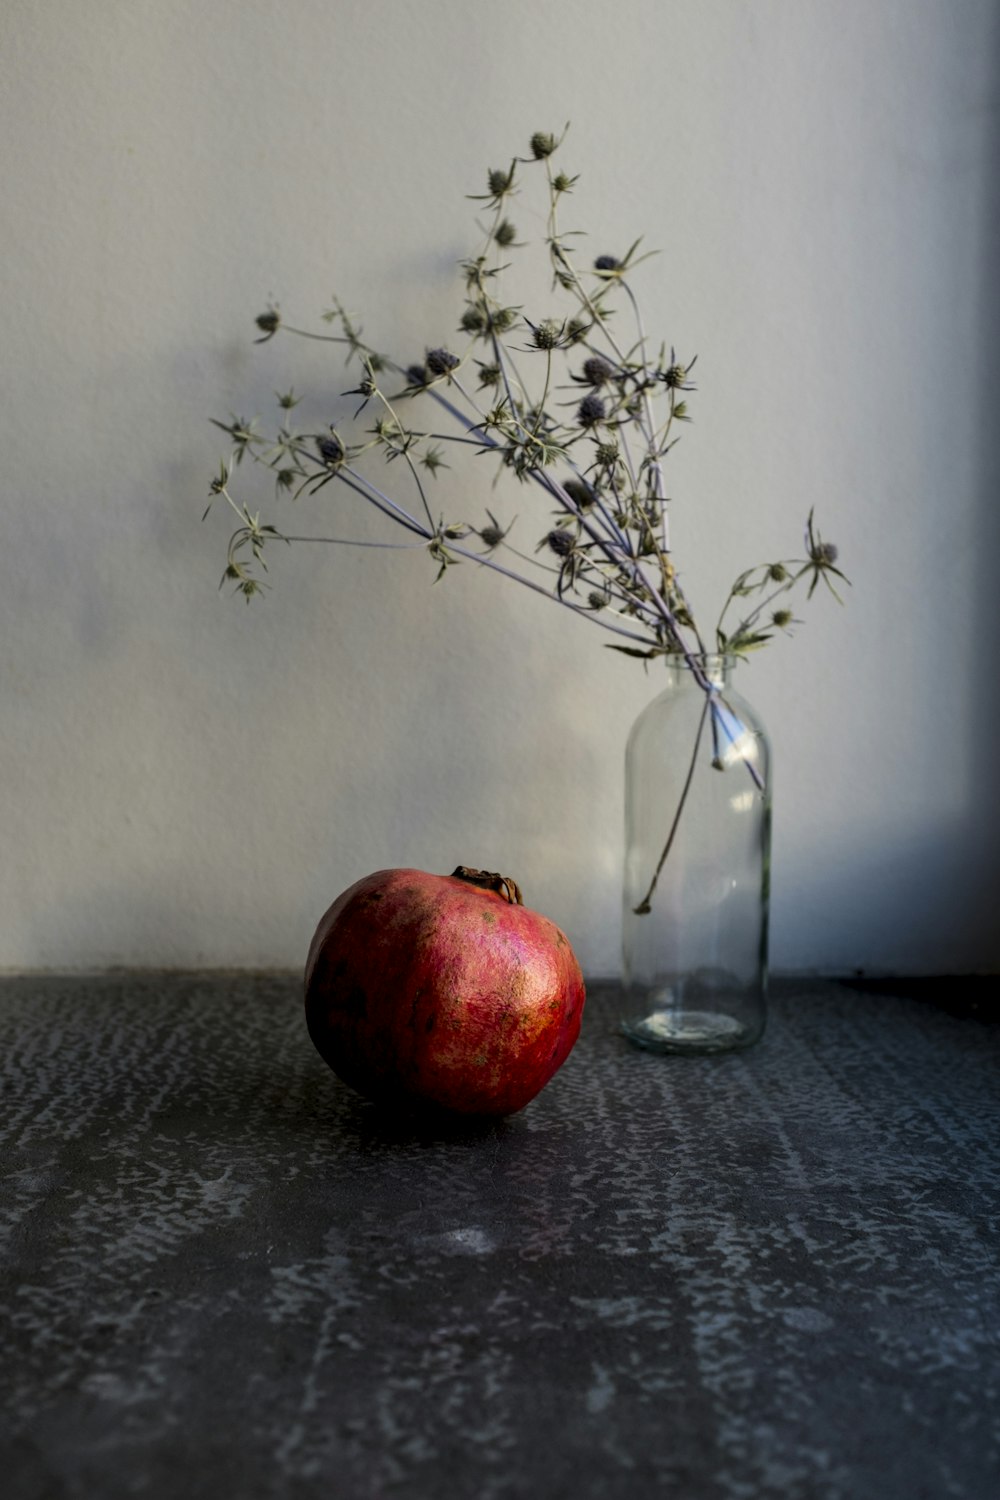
[(225, 1275)]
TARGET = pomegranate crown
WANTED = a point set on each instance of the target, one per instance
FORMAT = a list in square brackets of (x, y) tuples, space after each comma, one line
[(489, 880)]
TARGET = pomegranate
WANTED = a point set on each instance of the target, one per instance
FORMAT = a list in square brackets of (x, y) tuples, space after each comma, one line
[(442, 990)]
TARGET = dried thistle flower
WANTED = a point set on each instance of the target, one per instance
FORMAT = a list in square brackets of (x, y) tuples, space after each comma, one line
[(493, 534), (545, 335), (676, 377), (441, 362), (560, 542), (474, 318), (268, 322), (502, 319), (542, 145), (331, 450), (591, 411), (499, 183), (596, 370)]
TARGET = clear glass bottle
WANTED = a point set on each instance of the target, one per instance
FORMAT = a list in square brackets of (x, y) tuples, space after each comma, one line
[(697, 864)]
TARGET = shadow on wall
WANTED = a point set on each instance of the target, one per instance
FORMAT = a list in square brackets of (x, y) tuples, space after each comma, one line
[(984, 670), (912, 883), (921, 905)]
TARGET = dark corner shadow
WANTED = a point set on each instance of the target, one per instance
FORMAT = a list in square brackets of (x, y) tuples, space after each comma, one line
[(982, 666), (974, 997)]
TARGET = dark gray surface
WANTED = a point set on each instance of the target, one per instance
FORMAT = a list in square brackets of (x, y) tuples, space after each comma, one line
[(225, 1275)]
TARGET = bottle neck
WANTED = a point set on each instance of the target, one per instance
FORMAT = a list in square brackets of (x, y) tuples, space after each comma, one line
[(714, 667)]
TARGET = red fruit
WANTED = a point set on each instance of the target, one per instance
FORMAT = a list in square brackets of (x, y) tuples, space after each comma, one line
[(442, 990)]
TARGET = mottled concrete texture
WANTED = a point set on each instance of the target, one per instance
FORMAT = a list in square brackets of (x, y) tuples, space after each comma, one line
[(772, 1275)]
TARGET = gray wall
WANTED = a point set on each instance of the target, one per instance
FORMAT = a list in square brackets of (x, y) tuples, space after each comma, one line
[(187, 780)]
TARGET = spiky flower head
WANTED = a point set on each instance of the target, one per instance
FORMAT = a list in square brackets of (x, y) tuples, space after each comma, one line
[(502, 318), (440, 361), (474, 318), (607, 454), (607, 263), (781, 618), (676, 378), (500, 182), (777, 573), (331, 450), (546, 335), (596, 600), (597, 371), (505, 233), (560, 542), (542, 145), (590, 411), (576, 329), (269, 322)]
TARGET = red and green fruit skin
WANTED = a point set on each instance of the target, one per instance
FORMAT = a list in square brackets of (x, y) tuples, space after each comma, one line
[(427, 990)]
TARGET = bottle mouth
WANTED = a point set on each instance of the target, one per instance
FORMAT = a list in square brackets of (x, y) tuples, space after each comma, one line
[(714, 665)]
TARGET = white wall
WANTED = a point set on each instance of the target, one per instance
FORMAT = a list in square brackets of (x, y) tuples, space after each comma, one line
[(187, 780)]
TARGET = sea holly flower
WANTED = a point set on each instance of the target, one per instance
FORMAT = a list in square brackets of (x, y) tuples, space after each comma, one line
[(822, 557), (441, 362), (493, 534), (542, 145), (475, 318), (505, 234), (675, 376), (489, 374), (546, 335), (500, 184), (591, 411), (560, 542), (596, 371), (268, 322), (331, 450)]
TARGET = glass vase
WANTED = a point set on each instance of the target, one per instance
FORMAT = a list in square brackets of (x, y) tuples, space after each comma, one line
[(697, 855)]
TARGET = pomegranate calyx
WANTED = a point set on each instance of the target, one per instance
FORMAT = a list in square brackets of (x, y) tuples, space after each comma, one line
[(488, 880)]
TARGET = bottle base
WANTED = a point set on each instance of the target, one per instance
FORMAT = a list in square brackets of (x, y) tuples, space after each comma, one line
[(689, 1031)]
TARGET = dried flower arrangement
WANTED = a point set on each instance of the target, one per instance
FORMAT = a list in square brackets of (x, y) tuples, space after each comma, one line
[(605, 551)]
